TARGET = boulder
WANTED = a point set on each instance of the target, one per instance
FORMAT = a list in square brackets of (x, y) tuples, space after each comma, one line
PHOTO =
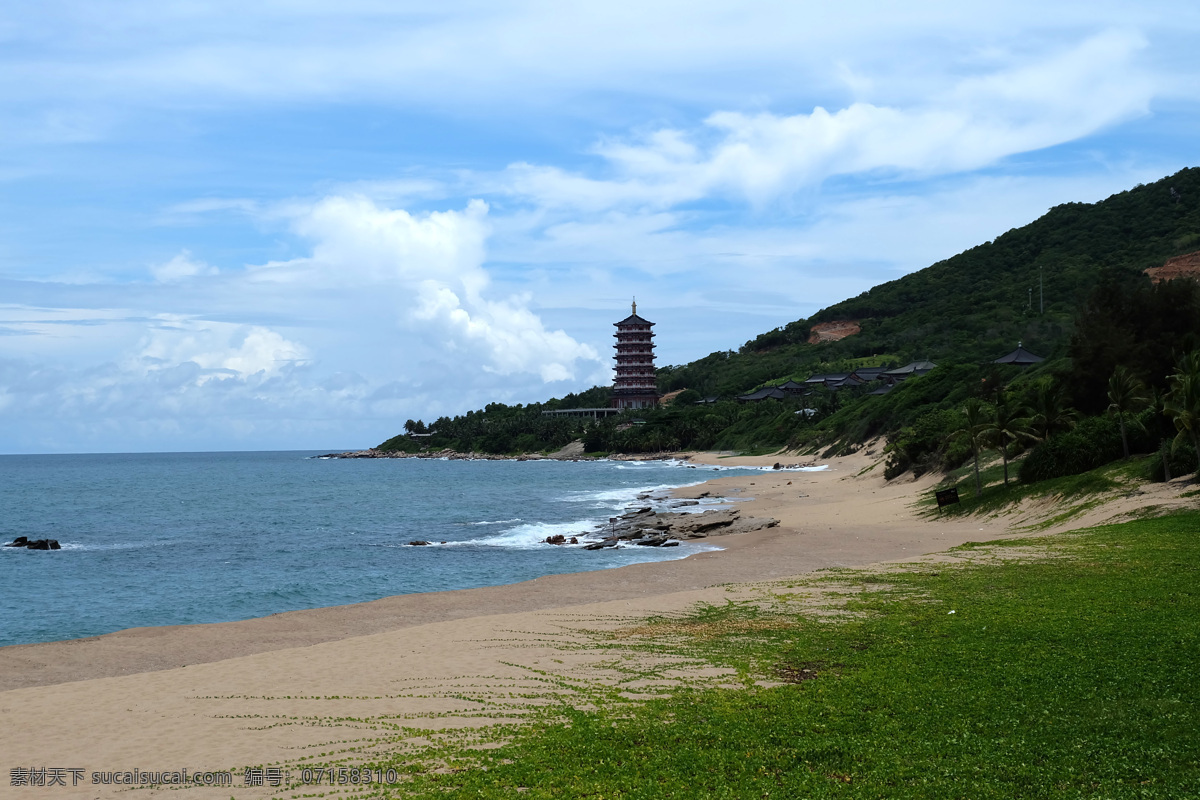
[(713, 523), (20, 541), (418, 543), (40, 544), (602, 544), (646, 528)]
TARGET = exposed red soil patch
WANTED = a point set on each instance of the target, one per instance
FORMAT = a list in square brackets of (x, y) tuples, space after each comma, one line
[(1185, 266), (832, 331), (669, 396)]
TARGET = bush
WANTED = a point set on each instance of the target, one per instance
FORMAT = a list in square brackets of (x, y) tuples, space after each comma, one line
[(1094, 442), (922, 445), (1182, 461)]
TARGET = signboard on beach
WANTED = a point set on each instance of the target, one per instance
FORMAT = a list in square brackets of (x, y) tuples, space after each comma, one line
[(947, 497)]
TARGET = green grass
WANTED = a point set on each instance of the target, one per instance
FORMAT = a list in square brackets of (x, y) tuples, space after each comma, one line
[(1072, 676), (1077, 492)]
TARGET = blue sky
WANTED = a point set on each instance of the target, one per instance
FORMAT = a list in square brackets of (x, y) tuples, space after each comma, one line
[(295, 225)]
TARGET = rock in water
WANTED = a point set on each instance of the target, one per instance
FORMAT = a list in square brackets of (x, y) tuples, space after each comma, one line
[(38, 544), (602, 545)]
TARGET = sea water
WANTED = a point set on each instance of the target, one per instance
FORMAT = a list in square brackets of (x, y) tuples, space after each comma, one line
[(181, 538)]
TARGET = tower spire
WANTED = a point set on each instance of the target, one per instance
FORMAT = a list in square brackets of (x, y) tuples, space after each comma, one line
[(635, 304)]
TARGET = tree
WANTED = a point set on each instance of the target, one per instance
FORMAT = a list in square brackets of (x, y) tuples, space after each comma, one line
[(978, 421), (1126, 395), (1006, 426), (1182, 401), (1049, 410)]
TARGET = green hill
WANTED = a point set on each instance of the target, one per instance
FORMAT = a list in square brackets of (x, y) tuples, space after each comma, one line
[(976, 306), (1085, 260)]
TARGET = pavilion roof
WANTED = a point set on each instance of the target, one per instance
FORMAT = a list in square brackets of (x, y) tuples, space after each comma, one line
[(1021, 357), (915, 368), (770, 392), (831, 377)]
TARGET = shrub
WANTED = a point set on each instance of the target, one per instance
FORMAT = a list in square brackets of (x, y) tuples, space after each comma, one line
[(1092, 443), (1182, 461), (922, 445)]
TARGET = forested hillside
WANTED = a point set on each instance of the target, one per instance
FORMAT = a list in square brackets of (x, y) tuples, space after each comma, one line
[(976, 305), (1069, 285)]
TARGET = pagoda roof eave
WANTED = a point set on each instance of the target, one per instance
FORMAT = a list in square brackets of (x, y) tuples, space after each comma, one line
[(634, 319)]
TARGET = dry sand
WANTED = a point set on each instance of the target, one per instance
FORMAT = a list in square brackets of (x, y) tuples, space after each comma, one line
[(308, 687)]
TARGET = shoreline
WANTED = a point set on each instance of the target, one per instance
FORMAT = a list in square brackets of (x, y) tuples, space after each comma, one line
[(592, 535), (344, 684), (151, 649)]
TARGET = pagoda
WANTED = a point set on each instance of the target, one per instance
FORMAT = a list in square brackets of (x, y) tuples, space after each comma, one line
[(636, 385)]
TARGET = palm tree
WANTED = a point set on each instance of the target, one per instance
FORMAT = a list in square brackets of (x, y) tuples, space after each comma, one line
[(1126, 395), (1006, 427), (978, 419), (1050, 412), (1182, 402), (1158, 403)]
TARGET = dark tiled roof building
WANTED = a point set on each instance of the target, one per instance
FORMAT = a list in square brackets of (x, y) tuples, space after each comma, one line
[(1019, 357)]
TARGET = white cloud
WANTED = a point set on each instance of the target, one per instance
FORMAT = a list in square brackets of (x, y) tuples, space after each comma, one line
[(357, 240), (433, 265), (760, 156), (222, 350), (180, 268)]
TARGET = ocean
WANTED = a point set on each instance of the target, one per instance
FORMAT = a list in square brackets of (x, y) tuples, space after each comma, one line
[(182, 538)]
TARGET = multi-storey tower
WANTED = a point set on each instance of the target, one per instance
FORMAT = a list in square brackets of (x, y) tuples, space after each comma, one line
[(636, 385)]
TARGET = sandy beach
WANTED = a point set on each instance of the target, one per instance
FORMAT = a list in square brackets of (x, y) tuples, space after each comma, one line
[(332, 684)]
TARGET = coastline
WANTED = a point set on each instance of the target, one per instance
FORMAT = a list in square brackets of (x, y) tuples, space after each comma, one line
[(149, 649), (212, 696)]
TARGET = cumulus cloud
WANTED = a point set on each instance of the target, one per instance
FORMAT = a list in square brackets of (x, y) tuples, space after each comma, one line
[(221, 350), (391, 314), (433, 264)]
